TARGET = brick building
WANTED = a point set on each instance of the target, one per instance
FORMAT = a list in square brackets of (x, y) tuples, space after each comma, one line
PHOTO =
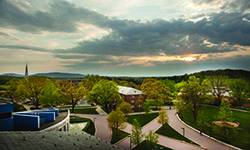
[(133, 96)]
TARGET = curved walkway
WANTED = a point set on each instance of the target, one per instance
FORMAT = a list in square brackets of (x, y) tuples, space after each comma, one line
[(101, 125), (191, 134), (163, 140)]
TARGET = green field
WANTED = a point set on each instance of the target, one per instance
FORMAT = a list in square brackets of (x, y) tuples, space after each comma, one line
[(81, 109), (239, 137), (117, 135), (166, 130), (142, 118), (89, 128), (146, 145)]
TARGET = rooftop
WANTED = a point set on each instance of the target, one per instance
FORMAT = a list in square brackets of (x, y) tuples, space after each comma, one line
[(129, 91), (55, 140)]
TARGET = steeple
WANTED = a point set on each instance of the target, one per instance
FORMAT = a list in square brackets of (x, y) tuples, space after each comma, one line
[(26, 70)]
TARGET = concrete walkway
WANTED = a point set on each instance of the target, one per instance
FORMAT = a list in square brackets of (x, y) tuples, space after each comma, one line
[(163, 140), (203, 141), (101, 126)]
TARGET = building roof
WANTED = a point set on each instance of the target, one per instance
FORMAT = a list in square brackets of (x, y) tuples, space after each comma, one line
[(129, 91), (53, 140)]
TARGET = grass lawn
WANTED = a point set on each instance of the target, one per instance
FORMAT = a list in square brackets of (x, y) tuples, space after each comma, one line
[(87, 110), (81, 109), (239, 137), (146, 145), (142, 118), (89, 128), (166, 130), (117, 135)]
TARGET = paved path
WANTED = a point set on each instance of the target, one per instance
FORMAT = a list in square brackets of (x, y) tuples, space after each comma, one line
[(203, 141), (163, 140), (101, 125)]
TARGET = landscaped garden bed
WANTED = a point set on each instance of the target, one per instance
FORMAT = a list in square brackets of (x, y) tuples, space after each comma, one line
[(142, 118), (146, 145), (117, 135), (168, 131), (89, 128)]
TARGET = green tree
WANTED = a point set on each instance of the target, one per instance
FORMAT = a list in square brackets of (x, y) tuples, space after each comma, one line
[(125, 107), (32, 88), (239, 90), (163, 118), (136, 136), (192, 94), (89, 81), (225, 113), (72, 93), (105, 93), (116, 119), (12, 89), (152, 137), (156, 90), (218, 86), (51, 95)]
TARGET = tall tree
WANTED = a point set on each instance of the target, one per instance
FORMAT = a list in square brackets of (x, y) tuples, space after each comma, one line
[(116, 119), (163, 118), (239, 90), (155, 90), (136, 136), (218, 86), (192, 93), (89, 81), (51, 95), (225, 113), (71, 92), (105, 93), (32, 88), (12, 89)]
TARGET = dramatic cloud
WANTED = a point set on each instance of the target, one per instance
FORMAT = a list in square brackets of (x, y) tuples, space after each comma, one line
[(101, 36)]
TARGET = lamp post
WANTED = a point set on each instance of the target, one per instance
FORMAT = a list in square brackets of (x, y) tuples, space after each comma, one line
[(183, 131)]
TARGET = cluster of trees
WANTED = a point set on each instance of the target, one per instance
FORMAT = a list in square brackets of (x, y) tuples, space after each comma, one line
[(45, 92)]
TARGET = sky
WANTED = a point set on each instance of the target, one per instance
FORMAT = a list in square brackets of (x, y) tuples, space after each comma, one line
[(124, 37)]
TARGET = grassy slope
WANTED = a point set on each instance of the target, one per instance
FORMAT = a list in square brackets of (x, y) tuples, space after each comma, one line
[(89, 128), (142, 118), (166, 130), (117, 135), (146, 145), (240, 137)]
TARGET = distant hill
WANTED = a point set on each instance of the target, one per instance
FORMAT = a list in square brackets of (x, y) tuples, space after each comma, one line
[(11, 75), (60, 75)]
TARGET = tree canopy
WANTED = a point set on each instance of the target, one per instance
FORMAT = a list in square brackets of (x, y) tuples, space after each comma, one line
[(71, 92), (192, 93), (105, 93)]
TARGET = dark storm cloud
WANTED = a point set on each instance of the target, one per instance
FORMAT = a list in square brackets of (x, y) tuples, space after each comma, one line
[(175, 37), (133, 37), (61, 16)]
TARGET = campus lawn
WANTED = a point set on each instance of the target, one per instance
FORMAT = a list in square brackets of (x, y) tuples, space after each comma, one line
[(89, 128), (146, 145), (81, 109), (238, 137), (87, 110), (166, 130), (117, 135), (142, 118)]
